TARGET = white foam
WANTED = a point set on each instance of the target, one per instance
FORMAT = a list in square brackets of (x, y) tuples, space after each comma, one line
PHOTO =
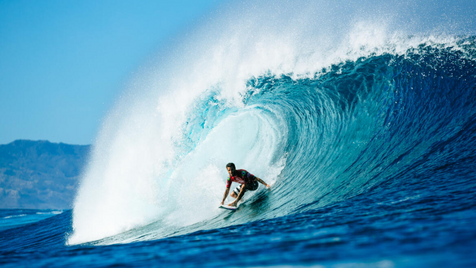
[(14, 216)]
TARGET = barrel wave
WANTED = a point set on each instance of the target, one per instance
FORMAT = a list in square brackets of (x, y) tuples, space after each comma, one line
[(318, 138), (360, 115)]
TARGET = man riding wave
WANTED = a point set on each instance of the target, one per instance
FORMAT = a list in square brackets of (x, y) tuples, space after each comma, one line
[(247, 180)]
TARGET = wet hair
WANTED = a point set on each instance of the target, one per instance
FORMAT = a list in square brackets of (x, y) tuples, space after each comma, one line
[(232, 167)]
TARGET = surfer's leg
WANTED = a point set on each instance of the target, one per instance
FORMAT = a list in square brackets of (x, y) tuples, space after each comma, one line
[(252, 186), (236, 192)]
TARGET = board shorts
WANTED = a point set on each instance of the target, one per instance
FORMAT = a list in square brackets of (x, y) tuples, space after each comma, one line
[(249, 187)]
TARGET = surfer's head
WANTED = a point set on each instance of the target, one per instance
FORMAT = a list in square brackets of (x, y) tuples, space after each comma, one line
[(231, 169)]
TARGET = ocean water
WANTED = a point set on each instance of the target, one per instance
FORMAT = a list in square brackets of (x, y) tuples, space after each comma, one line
[(368, 141)]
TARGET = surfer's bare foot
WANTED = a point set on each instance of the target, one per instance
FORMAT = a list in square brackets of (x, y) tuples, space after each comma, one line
[(232, 204)]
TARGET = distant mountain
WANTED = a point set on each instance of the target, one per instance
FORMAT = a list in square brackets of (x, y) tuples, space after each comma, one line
[(40, 174)]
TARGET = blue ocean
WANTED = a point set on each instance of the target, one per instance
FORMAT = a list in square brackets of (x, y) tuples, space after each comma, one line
[(368, 140)]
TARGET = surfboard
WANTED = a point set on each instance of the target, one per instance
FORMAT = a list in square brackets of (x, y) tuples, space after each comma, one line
[(228, 207), (235, 208)]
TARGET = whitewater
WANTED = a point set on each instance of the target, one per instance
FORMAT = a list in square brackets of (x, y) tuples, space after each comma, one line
[(360, 115)]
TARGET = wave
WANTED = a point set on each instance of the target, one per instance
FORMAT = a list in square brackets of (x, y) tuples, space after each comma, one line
[(54, 212), (14, 216), (322, 124)]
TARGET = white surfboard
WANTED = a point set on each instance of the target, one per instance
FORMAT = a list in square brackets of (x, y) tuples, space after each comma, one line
[(228, 207), (242, 201)]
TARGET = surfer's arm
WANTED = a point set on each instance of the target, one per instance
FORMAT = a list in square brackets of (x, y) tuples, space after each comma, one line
[(262, 182), (225, 195)]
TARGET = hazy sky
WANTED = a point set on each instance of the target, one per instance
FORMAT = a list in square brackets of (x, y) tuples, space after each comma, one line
[(63, 63)]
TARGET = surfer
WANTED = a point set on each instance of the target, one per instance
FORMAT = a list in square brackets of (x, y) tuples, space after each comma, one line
[(247, 180)]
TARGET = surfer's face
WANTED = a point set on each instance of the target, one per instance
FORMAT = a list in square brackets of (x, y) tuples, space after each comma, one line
[(229, 171)]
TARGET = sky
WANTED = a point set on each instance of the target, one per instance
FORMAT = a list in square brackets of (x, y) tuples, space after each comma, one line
[(64, 63)]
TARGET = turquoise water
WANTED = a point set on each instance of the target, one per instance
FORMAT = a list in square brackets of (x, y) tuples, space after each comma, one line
[(378, 170)]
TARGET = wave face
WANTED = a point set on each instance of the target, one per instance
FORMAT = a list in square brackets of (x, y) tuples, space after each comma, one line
[(322, 118)]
